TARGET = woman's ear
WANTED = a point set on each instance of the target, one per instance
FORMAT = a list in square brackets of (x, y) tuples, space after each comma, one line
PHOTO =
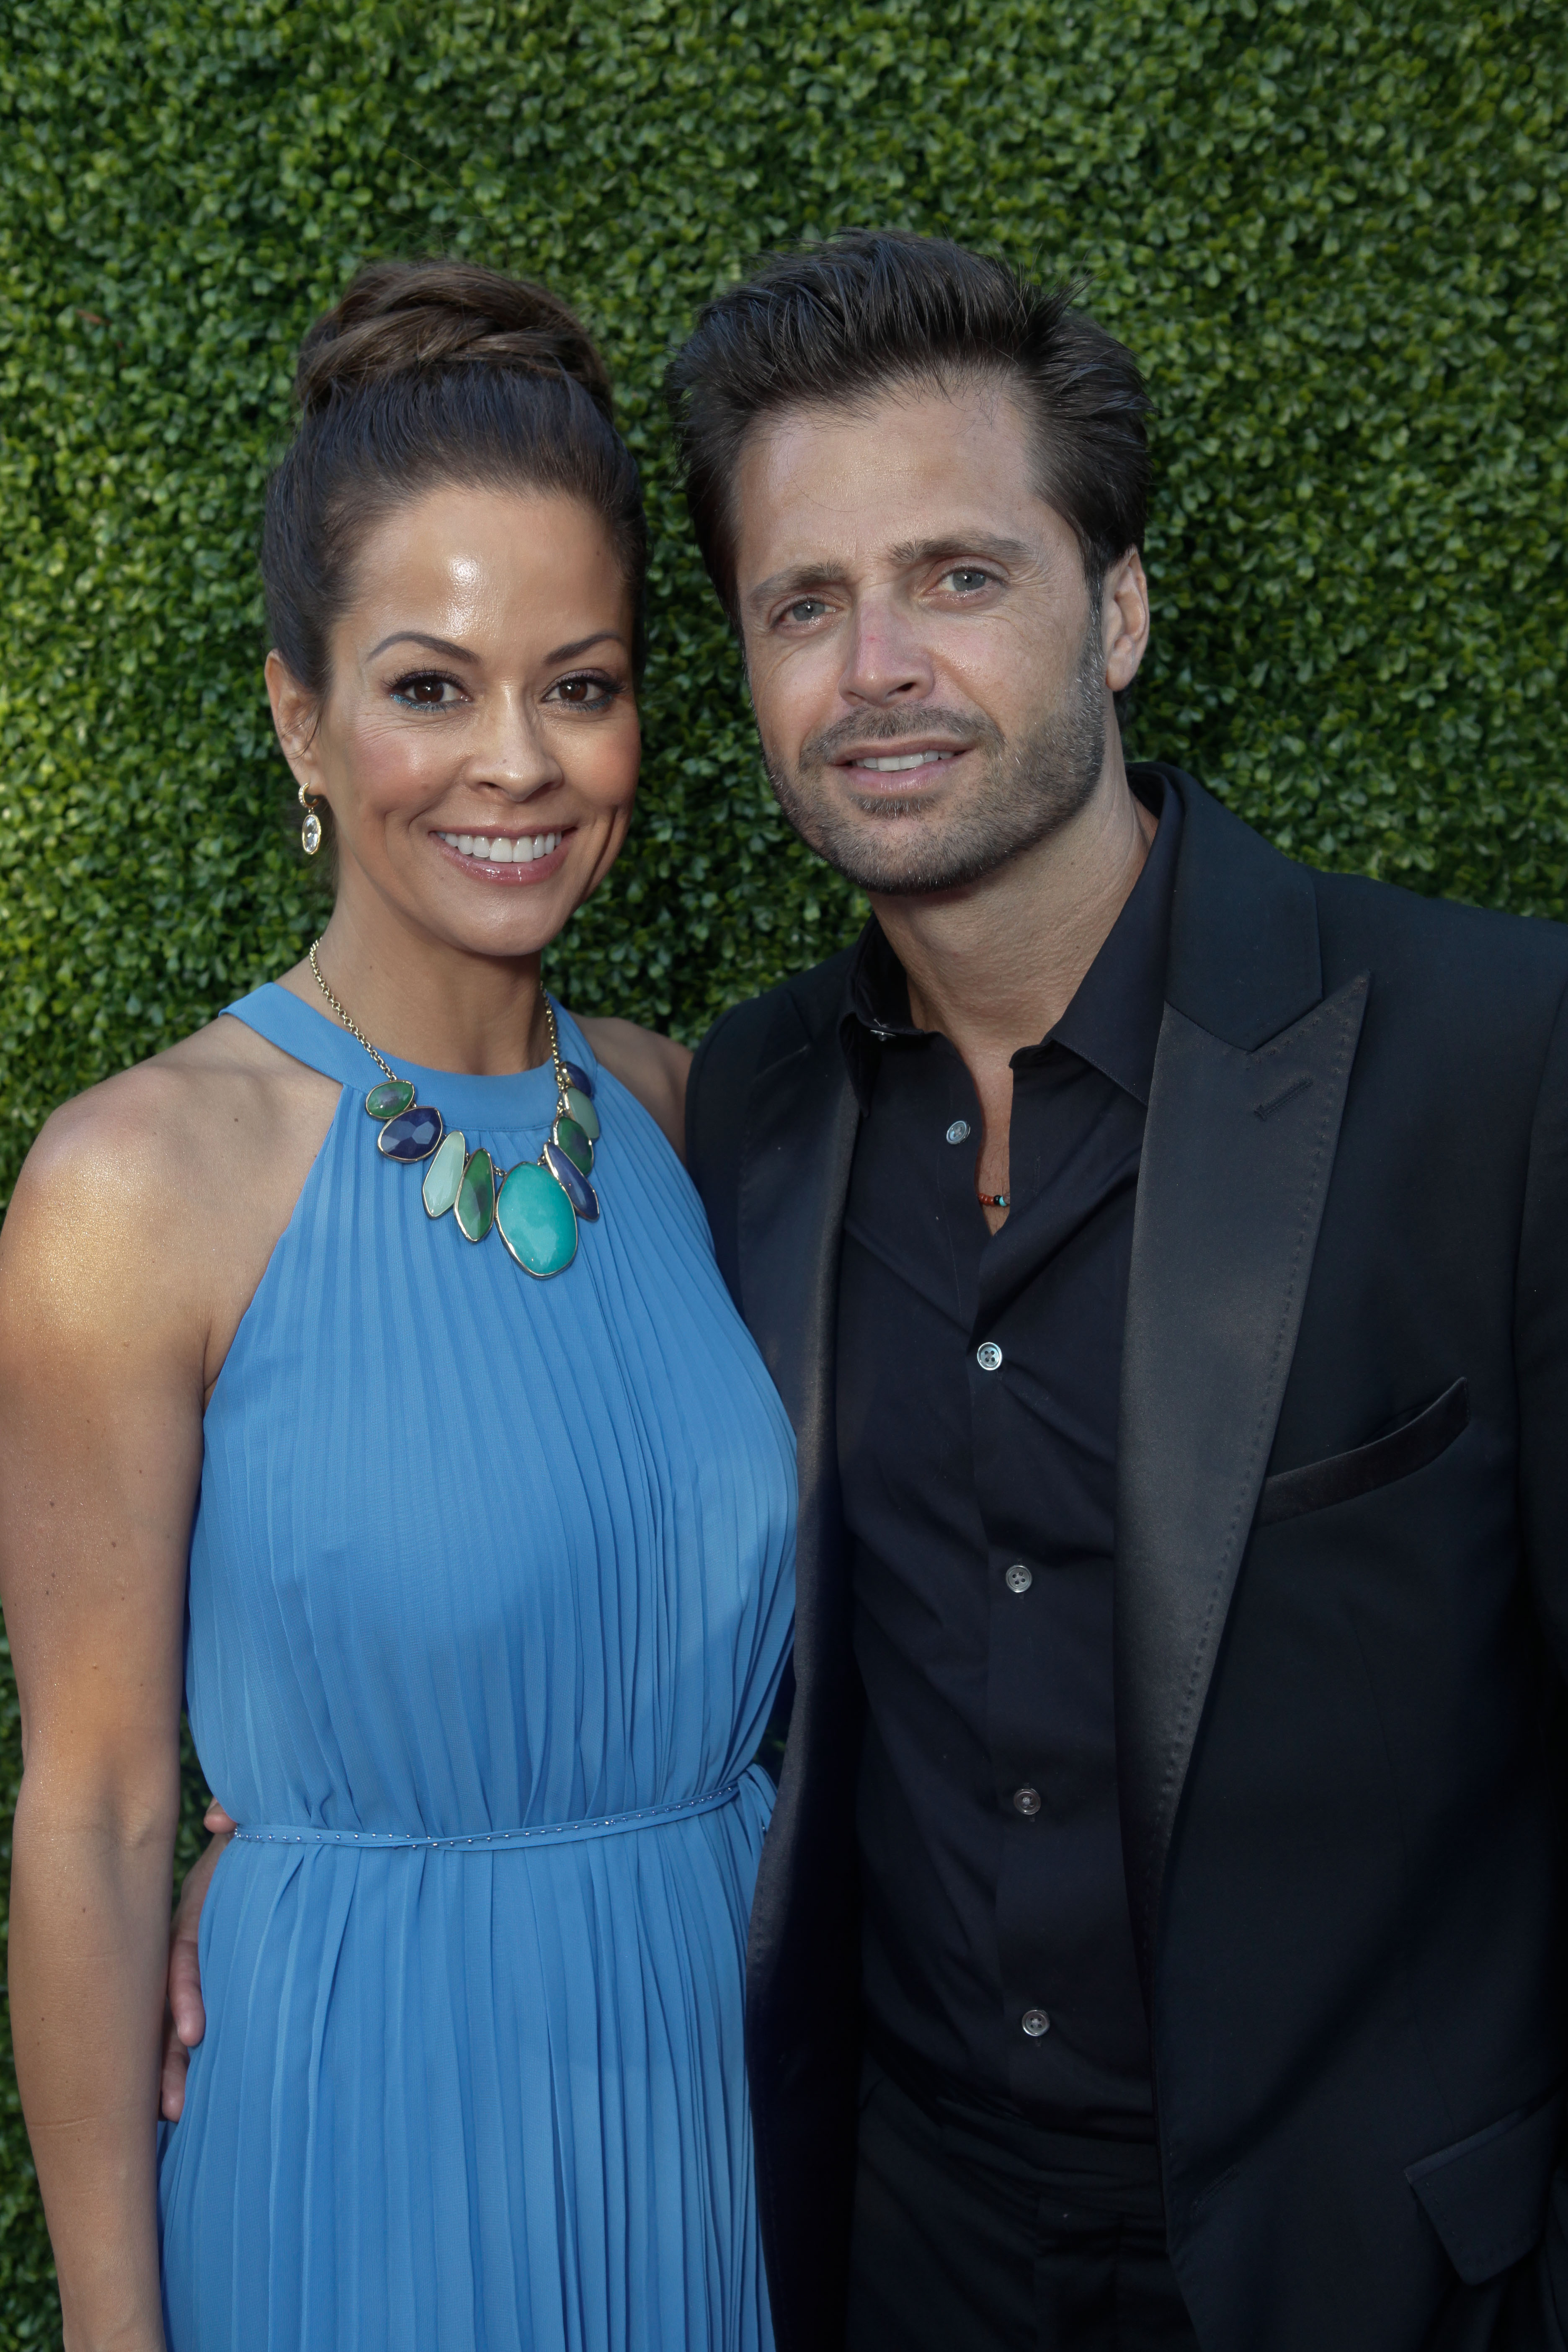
[(294, 715)]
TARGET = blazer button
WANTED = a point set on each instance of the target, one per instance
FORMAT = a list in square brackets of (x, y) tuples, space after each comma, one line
[(1026, 1801), (1018, 1578), (988, 1356), (1035, 2022), (958, 1131)]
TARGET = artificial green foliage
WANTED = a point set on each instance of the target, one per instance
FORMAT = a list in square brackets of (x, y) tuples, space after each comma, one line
[(1333, 234)]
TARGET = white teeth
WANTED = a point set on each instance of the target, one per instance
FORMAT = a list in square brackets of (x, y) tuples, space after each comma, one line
[(902, 760), (499, 849)]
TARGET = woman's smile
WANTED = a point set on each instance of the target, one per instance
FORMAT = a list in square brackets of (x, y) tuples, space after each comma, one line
[(508, 858)]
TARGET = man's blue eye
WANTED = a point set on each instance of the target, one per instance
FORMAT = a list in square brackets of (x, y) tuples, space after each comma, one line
[(967, 581)]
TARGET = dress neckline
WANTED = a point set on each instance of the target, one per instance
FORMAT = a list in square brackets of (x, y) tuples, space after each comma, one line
[(522, 1099)]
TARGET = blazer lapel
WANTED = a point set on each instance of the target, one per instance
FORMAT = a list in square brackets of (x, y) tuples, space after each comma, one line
[(1243, 1124)]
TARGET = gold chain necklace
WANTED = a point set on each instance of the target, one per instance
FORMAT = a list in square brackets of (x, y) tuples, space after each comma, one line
[(535, 1206)]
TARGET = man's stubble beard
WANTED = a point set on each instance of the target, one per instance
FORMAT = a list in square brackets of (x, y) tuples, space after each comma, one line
[(1024, 791)]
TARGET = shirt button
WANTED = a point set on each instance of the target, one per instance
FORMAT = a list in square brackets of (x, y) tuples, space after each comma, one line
[(958, 1130), (988, 1356), (1035, 2022), (1019, 1577), (1026, 1801)]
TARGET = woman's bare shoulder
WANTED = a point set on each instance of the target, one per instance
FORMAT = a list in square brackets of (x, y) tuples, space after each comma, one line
[(138, 1188), (652, 1068), (148, 1131)]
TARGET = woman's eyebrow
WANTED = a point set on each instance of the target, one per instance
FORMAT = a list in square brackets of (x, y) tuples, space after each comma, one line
[(581, 645), (463, 653), (431, 645)]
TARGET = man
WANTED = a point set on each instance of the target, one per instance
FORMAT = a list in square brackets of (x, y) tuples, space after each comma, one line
[(1161, 1250)]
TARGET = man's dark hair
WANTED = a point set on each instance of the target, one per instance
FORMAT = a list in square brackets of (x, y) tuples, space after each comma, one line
[(838, 322)]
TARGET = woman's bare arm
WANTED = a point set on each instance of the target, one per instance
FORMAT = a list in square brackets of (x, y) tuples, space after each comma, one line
[(652, 1068), (101, 1365)]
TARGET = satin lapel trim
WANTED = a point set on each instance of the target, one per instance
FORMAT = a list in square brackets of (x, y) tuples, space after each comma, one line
[(1237, 1151)]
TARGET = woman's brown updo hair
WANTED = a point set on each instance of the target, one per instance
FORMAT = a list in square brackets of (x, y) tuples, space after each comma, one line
[(429, 373)]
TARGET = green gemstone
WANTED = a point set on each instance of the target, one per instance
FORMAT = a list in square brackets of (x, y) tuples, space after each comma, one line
[(444, 1177), (579, 1151), (536, 1221), (477, 1198), (387, 1099), (580, 1108)]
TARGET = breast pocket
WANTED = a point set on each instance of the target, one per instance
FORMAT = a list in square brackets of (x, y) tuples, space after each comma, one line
[(1342, 1477)]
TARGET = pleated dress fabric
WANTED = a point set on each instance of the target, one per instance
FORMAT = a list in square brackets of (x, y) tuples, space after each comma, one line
[(482, 1566)]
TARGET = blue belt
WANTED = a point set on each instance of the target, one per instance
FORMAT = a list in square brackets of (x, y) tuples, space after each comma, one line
[(487, 1841)]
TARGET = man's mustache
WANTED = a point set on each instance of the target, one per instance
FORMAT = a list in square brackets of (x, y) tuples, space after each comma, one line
[(894, 726)]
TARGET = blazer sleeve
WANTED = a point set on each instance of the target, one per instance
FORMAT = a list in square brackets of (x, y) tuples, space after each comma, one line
[(1540, 1350), (1540, 1347), (716, 1088)]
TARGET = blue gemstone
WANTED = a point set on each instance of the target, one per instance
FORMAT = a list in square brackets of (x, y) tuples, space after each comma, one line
[(412, 1135), (577, 1189), (576, 1075)]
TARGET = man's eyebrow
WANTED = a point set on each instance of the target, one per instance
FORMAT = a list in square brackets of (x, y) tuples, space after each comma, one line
[(931, 550), (796, 579), (800, 578)]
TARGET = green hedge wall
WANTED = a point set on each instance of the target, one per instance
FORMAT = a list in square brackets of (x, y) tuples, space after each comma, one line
[(1333, 235)]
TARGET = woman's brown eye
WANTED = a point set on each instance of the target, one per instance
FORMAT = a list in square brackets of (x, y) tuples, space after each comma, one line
[(423, 693)]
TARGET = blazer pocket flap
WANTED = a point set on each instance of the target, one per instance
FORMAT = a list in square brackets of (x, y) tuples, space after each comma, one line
[(1486, 2197), (1342, 1477)]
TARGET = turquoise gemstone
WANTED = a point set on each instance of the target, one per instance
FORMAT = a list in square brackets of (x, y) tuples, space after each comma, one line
[(476, 1203), (444, 1177), (536, 1221), (577, 1147), (578, 1107), (387, 1099)]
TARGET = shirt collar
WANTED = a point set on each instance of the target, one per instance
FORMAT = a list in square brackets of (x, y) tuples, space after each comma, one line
[(1113, 1022)]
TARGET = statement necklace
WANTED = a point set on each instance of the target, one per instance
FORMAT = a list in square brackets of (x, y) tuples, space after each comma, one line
[(534, 1206)]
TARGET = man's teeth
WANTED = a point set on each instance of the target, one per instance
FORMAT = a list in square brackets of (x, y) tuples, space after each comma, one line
[(886, 765), (499, 849)]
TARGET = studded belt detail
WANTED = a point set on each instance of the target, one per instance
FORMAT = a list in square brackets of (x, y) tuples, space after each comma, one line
[(488, 1841)]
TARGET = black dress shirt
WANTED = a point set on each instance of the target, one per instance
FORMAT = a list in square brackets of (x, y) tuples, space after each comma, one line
[(978, 1379)]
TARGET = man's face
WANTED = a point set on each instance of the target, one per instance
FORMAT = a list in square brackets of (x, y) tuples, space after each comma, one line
[(929, 674)]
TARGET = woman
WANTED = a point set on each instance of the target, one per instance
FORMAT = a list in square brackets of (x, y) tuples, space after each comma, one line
[(431, 1437)]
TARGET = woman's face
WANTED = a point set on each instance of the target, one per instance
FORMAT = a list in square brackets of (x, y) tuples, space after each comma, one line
[(479, 742)]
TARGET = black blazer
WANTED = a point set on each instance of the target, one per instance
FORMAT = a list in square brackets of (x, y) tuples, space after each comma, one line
[(1341, 1606)]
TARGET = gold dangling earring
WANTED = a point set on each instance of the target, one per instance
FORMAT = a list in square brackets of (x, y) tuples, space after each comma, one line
[(310, 831)]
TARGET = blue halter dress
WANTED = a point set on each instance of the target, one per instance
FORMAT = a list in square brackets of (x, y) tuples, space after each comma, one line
[(490, 1587)]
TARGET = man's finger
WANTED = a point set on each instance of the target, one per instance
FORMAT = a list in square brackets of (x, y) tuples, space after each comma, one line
[(185, 2005), (172, 2081), (185, 2008)]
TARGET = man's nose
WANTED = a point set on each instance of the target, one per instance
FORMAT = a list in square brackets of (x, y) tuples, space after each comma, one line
[(888, 661)]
